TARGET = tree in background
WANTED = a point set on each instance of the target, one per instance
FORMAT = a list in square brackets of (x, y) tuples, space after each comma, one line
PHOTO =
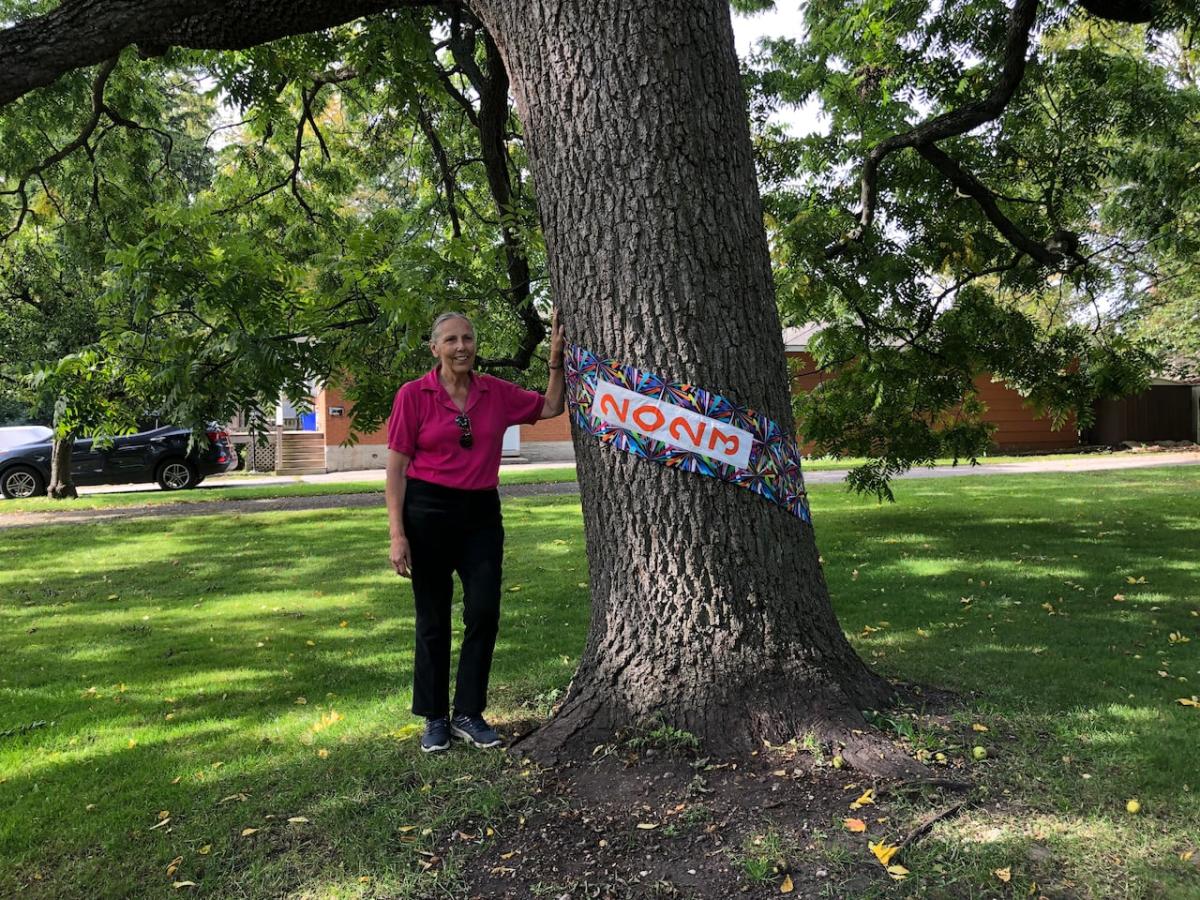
[(993, 190), (709, 605)]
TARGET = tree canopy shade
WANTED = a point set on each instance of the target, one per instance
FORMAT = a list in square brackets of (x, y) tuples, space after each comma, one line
[(994, 190), (379, 174)]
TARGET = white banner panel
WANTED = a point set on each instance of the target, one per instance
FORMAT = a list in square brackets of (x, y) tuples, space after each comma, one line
[(671, 424)]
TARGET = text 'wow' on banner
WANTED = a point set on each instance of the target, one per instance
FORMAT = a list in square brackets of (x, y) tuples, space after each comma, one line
[(681, 426)]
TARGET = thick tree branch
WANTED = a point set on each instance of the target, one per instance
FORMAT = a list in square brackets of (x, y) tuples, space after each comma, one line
[(443, 162), (79, 33), (968, 184), (492, 122), (955, 122), (1135, 12)]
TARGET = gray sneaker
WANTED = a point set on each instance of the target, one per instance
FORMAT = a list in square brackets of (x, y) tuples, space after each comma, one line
[(475, 731), (437, 735)]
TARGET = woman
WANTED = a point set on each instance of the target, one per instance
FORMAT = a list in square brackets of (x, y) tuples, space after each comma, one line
[(444, 440)]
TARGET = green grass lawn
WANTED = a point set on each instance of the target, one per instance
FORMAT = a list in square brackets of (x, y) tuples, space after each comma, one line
[(205, 494), (531, 475), (234, 673)]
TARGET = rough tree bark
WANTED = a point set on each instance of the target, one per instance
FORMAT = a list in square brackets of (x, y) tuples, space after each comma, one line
[(62, 486), (709, 605)]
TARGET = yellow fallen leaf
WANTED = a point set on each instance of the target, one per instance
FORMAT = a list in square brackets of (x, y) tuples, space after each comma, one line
[(364, 879), (854, 825), (509, 855), (405, 829), (182, 884), (979, 727), (1186, 855), (1129, 579), (883, 851), (868, 796), (164, 814), (161, 823), (1120, 598), (301, 701), (779, 773), (647, 826), (205, 850), (787, 887), (173, 865), (132, 743), (1189, 701), (323, 753), (343, 624), (1004, 874), (408, 731), (898, 872), (246, 832), (310, 643), (514, 588), (297, 820)]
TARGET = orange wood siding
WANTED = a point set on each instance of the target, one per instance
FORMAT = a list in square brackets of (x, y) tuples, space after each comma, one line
[(1018, 427)]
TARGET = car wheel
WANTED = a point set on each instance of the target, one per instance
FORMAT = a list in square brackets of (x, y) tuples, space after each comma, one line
[(20, 482), (176, 475)]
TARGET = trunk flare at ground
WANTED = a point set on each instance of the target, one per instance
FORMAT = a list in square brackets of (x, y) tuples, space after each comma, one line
[(709, 605), (61, 487)]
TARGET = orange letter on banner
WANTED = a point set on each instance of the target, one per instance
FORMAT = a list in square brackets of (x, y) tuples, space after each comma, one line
[(727, 439), (642, 410), (696, 437), (620, 413)]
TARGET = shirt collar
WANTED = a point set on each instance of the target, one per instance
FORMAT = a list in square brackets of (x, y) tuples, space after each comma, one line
[(431, 383)]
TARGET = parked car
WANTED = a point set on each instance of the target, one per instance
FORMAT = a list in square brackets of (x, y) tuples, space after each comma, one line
[(20, 435), (158, 454)]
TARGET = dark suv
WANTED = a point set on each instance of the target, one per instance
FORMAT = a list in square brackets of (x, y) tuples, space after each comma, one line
[(159, 454)]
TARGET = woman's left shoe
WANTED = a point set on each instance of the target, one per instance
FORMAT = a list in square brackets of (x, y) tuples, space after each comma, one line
[(475, 731)]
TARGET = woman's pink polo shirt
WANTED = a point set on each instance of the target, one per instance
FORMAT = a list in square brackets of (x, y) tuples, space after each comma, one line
[(422, 427)]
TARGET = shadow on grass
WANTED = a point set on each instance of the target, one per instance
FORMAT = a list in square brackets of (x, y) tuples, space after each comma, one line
[(183, 690), (262, 661)]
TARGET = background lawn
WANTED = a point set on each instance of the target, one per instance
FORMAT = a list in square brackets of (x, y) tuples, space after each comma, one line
[(207, 493), (232, 673)]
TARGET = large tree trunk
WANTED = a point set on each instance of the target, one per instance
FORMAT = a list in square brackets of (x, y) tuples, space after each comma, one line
[(61, 487), (709, 605)]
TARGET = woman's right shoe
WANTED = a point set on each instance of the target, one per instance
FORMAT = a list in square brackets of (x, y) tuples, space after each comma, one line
[(436, 736)]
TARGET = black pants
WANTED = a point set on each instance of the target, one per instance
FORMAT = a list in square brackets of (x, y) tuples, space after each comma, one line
[(452, 531)]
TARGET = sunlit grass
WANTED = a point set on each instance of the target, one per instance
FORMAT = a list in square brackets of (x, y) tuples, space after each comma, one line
[(158, 666)]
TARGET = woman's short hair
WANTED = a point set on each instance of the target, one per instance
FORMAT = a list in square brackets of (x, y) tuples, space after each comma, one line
[(443, 319)]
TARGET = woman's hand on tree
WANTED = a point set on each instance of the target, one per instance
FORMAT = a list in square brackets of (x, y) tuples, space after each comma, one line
[(401, 557), (557, 341)]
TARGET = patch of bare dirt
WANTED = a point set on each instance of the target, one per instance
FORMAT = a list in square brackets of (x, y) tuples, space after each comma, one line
[(646, 817)]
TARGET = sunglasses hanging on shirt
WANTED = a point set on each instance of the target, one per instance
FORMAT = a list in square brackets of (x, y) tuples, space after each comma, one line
[(466, 439)]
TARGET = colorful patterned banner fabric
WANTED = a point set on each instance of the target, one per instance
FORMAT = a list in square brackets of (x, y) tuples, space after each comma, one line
[(681, 426)]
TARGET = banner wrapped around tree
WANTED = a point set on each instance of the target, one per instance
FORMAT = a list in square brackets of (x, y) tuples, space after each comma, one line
[(681, 426)]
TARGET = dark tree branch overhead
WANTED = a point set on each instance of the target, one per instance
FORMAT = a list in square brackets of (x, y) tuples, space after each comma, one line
[(964, 119), (956, 122), (80, 33), (968, 184)]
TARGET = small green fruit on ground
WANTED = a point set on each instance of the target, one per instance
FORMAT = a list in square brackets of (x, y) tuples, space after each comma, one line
[(1133, 807), (979, 753)]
